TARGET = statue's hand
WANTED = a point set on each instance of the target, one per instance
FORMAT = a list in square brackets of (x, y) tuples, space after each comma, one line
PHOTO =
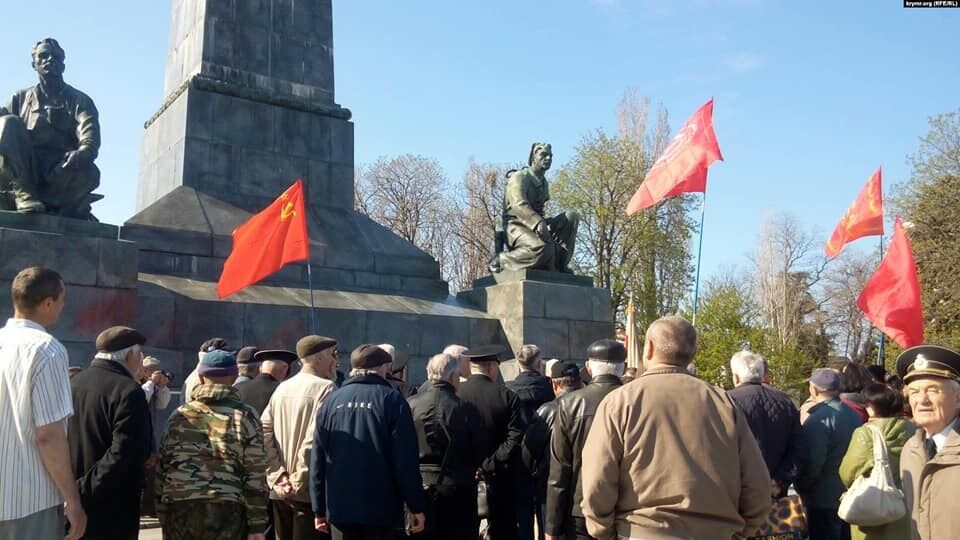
[(72, 160)]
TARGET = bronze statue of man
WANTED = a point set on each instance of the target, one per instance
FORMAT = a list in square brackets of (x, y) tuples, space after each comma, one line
[(533, 240), (49, 138)]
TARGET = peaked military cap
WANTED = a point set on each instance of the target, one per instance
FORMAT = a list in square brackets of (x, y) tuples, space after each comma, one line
[(607, 350), (484, 353), (278, 355), (246, 354), (928, 361), (117, 338)]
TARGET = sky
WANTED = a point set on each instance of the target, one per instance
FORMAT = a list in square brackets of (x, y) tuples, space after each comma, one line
[(810, 97)]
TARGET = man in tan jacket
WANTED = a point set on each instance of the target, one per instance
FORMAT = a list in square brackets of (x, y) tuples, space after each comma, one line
[(288, 427), (669, 455), (930, 460)]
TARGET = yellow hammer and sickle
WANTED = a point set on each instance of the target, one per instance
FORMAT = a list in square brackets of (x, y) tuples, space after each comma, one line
[(287, 211)]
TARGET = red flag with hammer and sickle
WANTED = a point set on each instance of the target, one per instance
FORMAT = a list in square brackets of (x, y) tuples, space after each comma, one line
[(266, 242), (863, 218)]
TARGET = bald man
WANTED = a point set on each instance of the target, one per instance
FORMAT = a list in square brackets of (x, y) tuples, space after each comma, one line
[(716, 483)]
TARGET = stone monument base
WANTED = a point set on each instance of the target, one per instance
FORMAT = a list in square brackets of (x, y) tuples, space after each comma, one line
[(100, 273), (560, 313)]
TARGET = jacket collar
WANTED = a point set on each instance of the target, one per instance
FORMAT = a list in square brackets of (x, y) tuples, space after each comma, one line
[(265, 376), (529, 374), (114, 367), (24, 323), (607, 379), (479, 376), (442, 386), (366, 379), (210, 392), (665, 370)]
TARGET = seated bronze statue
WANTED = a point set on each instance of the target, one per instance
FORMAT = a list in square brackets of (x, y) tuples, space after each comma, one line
[(49, 138), (532, 240)]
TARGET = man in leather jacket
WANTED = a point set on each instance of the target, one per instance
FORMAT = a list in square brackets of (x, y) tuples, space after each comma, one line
[(451, 449), (574, 415)]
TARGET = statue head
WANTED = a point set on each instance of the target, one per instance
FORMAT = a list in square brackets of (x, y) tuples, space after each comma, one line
[(48, 58), (541, 156)]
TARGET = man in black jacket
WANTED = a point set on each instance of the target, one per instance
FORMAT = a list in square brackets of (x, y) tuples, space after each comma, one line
[(606, 361), (274, 366), (533, 390), (451, 450), (772, 416), (502, 417), (363, 464), (110, 435)]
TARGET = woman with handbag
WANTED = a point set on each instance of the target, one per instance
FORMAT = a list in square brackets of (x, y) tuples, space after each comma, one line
[(884, 405)]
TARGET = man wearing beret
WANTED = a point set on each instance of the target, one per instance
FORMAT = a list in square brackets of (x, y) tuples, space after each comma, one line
[(247, 364), (502, 416), (110, 435), (669, 456), (930, 460), (364, 464), (606, 361), (274, 366), (211, 479), (288, 426)]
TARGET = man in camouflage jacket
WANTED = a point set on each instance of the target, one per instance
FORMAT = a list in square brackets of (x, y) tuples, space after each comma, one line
[(211, 480)]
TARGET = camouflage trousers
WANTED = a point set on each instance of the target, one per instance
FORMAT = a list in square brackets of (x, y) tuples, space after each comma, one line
[(204, 520)]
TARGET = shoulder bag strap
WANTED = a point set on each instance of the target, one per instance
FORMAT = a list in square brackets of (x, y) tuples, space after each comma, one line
[(881, 456)]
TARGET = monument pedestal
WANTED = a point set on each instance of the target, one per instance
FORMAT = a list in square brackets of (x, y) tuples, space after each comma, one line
[(99, 271), (560, 313)]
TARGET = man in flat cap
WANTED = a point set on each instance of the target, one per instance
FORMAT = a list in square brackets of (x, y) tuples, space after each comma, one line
[(110, 435), (930, 460), (193, 379), (669, 456), (248, 366), (211, 477), (288, 427), (274, 366), (825, 436), (606, 361), (502, 417), (364, 465)]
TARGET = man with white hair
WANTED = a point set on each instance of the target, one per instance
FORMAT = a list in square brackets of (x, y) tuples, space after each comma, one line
[(930, 460), (773, 418), (451, 450), (670, 455), (109, 435), (606, 362), (398, 371)]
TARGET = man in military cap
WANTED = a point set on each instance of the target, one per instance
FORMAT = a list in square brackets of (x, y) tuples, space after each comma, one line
[(930, 460), (606, 360), (364, 464), (221, 494), (49, 139), (248, 366), (110, 435), (288, 427), (274, 366), (502, 420)]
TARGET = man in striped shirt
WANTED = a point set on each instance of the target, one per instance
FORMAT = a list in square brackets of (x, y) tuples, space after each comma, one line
[(37, 484)]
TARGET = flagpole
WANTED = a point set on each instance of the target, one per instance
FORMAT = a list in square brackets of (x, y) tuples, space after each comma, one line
[(879, 361), (696, 283), (313, 326)]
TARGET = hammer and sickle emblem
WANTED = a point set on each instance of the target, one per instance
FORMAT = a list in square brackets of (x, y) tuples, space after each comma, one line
[(287, 211)]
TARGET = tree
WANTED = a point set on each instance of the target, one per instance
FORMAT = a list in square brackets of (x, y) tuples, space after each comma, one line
[(645, 257), (844, 280), (930, 205), (408, 194)]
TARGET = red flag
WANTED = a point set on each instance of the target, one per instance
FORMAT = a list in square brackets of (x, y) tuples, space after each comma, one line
[(863, 218), (266, 242), (683, 166), (891, 297)]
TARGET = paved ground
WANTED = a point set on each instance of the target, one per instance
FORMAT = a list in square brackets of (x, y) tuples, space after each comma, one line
[(150, 534)]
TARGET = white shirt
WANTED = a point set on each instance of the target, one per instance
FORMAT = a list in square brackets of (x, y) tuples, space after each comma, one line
[(940, 438), (163, 394), (34, 392)]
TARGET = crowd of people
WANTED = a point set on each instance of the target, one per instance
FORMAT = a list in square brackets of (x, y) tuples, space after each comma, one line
[(281, 444)]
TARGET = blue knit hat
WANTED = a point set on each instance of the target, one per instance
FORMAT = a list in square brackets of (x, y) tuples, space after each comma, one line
[(218, 363)]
